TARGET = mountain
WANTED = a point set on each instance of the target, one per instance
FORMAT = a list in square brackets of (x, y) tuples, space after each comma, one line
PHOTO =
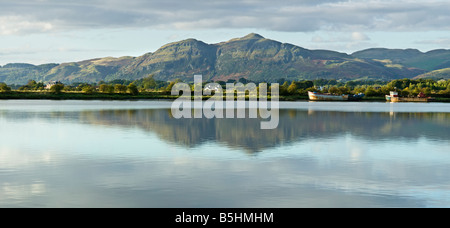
[(429, 61), (255, 58), (436, 74), (93, 70), (175, 60), (252, 57), (20, 73)]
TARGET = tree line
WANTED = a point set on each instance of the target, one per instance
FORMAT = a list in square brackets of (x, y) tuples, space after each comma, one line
[(371, 88), (110, 87)]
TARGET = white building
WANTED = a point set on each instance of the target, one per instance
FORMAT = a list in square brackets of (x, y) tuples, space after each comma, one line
[(50, 84), (210, 87)]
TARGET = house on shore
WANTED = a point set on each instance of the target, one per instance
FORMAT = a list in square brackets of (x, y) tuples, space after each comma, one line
[(52, 83), (212, 87)]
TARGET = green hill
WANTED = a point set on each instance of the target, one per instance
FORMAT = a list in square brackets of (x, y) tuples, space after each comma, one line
[(252, 57), (429, 61), (436, 74), (255, 58)]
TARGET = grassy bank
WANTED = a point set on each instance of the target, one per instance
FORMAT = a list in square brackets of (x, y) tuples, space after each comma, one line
[(16, 95), (83, 96)]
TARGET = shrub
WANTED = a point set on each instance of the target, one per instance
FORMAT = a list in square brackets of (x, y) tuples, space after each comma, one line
[(118, 88), (103, 88), (133, 89), (4, 88), (57, 89), (88, 89), (292, 89)]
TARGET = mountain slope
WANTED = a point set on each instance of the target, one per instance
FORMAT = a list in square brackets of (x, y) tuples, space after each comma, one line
[(252, 57), (429, 61), (436, 74), (87, 71), (255, 58), (175, 60), (20, 73)]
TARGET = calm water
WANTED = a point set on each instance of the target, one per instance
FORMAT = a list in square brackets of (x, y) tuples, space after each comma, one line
[(134, 154)]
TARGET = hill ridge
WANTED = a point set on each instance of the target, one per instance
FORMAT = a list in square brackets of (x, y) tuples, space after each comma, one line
[(252, 56)]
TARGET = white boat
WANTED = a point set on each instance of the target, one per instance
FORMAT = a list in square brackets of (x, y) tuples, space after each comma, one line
[(315, 96), (394, 97)]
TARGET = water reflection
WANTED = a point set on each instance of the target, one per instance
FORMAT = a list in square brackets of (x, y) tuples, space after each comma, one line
[(295, 126), (140, 157)]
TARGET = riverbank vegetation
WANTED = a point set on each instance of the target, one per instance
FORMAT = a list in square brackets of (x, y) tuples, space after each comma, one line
[(149, 88)]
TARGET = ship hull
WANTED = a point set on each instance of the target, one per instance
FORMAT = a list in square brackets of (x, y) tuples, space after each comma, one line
[(393, 97), (326, 97), (408, 99)]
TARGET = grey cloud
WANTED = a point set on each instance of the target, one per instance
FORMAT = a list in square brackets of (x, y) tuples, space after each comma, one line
[(287, 15), (440, 41)]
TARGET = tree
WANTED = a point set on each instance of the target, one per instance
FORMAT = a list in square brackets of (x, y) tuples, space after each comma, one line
[(57, 89), (118, 88), (222, 83), (39, 86), (333, 90), (370, 91), (404, 93), (344, 90), (396, 84), (386, 89), (103, 88), (132, 88), (243, 80), (332, 82), (306, 84), (350, 84), (292, 89), (169, 87), (312, 89), (148, 83), (4, 88), (284, 88), (359, 89), (31, 84), (81, 86), (88, 89), (68, 88)]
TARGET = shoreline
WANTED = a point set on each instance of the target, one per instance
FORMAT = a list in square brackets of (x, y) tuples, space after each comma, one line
[(14, 95)]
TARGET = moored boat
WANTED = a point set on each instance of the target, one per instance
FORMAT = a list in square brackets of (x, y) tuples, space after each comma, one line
[(356, 97), (315, 96), (394, 97)]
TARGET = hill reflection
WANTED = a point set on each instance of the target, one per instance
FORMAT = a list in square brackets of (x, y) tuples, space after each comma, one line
[(294, 126)]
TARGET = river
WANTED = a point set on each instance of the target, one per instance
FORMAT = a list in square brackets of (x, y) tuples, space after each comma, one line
[(135, 154)]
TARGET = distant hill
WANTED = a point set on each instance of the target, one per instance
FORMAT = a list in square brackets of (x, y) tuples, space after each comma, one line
[(436, 74), (252, 57), (429, 61)]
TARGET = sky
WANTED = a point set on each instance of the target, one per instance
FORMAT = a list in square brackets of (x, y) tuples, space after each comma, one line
[(57, 31)]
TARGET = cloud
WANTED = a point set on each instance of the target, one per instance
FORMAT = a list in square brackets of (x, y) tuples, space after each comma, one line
[(439, 41), (28, 16), (350, 41), (47, 15), (352, 37), (358, 36), (20, 25)]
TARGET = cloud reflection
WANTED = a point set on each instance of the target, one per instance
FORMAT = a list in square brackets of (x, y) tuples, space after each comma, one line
[(313, 159)]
